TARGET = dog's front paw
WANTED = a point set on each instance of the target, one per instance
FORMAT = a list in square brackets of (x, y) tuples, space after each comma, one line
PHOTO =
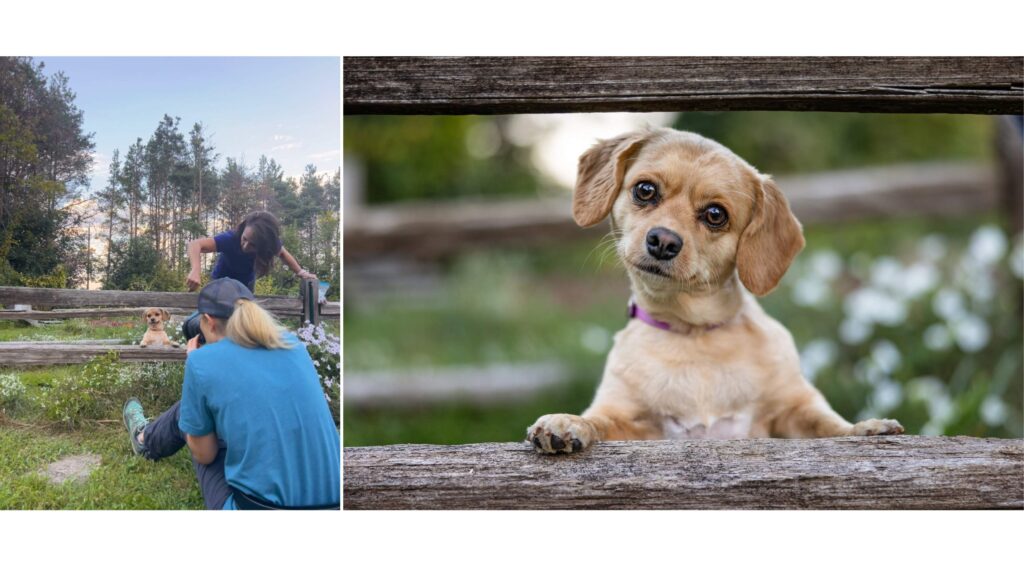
[(872, 427), (561, 433)]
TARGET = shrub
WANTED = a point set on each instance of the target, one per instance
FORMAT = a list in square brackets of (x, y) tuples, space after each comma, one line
[(12, 392), (325, 350), (99, 390)]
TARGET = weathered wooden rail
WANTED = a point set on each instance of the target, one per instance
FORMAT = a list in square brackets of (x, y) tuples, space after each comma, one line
[(497, 85), (122, 303), (904, 472), (434, 230)]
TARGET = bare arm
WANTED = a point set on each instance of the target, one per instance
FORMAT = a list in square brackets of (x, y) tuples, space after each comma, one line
[(196, 248), (204, 449), (294, 265)]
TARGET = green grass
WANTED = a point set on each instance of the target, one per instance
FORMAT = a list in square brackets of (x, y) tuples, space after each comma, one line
[(121, 481)]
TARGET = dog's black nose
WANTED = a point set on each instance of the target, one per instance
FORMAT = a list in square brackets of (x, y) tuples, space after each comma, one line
[(663, 244)]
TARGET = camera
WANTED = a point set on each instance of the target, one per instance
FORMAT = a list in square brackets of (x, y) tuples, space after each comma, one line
[(190, 328)]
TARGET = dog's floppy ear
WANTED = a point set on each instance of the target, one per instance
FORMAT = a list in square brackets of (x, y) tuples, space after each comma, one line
[(599, 176), (770, 242), (166, 316)]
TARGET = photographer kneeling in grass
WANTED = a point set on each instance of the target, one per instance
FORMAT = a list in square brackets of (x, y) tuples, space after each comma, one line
[(252, 412)]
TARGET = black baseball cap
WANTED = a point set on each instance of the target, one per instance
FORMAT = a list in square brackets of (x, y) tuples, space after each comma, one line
[(217, 299)]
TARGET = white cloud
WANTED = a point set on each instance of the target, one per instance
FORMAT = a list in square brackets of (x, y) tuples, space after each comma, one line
[(287, 146), (326, 155)]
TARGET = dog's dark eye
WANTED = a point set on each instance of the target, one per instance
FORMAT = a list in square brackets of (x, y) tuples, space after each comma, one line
[(715, 216), (645, 192)]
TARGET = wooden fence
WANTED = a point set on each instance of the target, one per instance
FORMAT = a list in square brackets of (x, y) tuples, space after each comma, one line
[(120, 303), (903, 472), (875, 473)]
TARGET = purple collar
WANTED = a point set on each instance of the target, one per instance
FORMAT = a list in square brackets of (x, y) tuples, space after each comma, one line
[(634, 311)]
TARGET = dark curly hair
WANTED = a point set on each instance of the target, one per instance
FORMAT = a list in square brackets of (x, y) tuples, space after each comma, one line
[(265, 237)]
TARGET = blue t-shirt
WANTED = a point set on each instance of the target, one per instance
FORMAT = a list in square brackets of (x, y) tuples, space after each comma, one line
[(232, 262), (269, 410)]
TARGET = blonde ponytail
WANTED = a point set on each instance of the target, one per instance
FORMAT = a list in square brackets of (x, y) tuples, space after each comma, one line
[(251, 326)]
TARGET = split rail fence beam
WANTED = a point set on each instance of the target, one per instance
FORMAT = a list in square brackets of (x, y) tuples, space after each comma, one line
[(513, 85), (900, 472), (64, 298), (45, 353)]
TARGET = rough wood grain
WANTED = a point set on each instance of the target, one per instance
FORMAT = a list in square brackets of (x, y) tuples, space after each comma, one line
[(85, 313), (52, 353), (43, 297), (436, 230), (905, 472), (507, 85)]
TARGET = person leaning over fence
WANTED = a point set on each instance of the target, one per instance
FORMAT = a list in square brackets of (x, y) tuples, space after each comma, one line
[(246, 253), (251, 411)]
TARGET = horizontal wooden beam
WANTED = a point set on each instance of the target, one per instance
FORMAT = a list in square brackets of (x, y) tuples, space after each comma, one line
[(47, 297), (905, 472), (53, 353), (83, 313), (436, 230), (512, 85)]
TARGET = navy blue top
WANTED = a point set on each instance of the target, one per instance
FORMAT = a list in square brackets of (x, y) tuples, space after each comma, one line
[(269, 409), (232, 262)]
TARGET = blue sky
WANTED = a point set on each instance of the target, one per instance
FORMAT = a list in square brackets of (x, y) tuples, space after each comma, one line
[(286, 108)]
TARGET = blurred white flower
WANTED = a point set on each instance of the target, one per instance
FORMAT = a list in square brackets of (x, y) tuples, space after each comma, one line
[(932, 429), (987, 245), (596, 339), (940, 408), (826, 264), (887, 273), (932, 248), (811, 291), (948, 304), (1017, 257), (853, 331), (993, 411), (937, 338), (971, 333), (886, 396), (886, 356), (923, 388), (868, 304), (866, 371), (817, 355), (980, 285), (918, 279)]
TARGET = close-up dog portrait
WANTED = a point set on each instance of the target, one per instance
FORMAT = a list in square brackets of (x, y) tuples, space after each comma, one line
[(156, 335), (700, 233), (706, 305)]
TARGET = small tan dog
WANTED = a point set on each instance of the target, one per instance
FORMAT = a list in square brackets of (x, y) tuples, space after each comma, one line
[(699, 357), (155, 333)]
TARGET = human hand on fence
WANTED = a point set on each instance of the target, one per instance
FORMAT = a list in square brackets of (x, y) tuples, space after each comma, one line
[(305, 274)]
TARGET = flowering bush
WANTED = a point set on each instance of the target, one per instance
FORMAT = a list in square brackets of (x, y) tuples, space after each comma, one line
[(929, 333), (325, 350), (12, 391)]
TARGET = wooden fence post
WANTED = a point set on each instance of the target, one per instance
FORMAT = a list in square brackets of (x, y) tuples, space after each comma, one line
[(309, 293)]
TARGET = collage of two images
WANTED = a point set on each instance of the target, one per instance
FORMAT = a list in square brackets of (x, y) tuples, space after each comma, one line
[(503, 283)]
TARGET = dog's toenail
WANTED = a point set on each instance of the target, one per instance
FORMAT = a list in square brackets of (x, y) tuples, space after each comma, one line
[(577, 445), (557, 443)]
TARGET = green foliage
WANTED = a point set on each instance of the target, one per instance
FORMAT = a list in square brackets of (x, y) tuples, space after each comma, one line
[(46, 162), (137, 265), (99, 389), (427, 157), (795, 142)]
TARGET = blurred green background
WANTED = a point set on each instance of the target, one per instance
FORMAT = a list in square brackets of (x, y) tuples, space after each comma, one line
[(914, 318)]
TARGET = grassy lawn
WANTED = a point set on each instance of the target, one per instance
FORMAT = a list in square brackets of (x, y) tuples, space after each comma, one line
[(51, 413)]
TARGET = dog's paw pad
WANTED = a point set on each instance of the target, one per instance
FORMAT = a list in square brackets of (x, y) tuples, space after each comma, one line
[(561, 434), (872, 427)]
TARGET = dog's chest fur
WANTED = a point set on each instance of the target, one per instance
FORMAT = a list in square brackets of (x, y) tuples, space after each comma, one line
[(692, 387)]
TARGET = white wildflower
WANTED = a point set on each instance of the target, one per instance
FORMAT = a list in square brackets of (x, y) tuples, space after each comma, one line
[(815, 356)]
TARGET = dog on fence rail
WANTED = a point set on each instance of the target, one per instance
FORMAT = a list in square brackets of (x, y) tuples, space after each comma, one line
[(699, 232), (155, 333)]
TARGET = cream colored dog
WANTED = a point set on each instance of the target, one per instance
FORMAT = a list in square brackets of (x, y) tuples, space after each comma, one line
[(155, 333), (694, 224)]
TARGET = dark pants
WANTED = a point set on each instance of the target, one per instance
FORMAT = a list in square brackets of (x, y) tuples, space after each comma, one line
[(163, 438)]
